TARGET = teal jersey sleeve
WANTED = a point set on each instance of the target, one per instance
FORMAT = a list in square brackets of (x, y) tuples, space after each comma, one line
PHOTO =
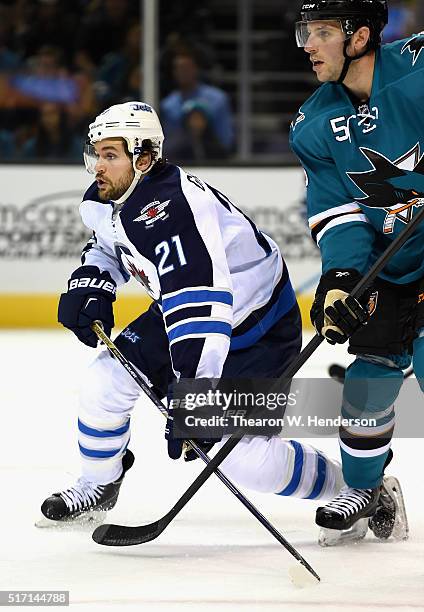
[(337, 223)]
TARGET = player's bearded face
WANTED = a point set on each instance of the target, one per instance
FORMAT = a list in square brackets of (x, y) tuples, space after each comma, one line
[(325, 48), (114, 170)]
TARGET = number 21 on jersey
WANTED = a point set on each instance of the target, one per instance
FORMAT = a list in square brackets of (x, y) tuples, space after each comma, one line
[(166, 250)]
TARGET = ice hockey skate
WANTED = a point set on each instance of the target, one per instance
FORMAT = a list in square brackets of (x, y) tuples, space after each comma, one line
[(382, 510), (390, 519), (345, 518), (85, 502)]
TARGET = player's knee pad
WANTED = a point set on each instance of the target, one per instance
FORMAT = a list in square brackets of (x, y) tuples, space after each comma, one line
[(419, 358), (371, 386), (258, 463), (107, 387)]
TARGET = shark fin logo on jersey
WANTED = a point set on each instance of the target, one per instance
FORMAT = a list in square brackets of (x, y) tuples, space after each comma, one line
[(299, 118), (153, 212), (395, 186), (414, 45)]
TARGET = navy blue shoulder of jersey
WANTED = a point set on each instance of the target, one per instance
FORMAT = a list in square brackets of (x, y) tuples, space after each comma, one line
[(92, 194), (157, 212)]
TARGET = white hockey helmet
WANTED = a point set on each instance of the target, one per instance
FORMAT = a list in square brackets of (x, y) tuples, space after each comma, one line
[(138, 124)]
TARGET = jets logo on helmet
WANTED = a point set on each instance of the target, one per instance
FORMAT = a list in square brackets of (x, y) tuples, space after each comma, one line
[(143, 107)]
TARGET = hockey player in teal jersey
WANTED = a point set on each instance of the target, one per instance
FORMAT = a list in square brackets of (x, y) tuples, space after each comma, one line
[(360, 139)]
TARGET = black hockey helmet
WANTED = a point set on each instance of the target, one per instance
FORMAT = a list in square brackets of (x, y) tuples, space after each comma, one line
[(352, 15)]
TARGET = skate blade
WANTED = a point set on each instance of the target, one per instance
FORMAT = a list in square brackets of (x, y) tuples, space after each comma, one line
[(84, 522), (338, 537), (401, 527)]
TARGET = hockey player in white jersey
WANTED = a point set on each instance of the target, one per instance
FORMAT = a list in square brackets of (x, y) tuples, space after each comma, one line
[(223, 306)]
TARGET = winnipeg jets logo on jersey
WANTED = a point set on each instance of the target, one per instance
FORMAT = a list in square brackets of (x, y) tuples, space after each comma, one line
[(139, 268), (414, 45), (139, 275), (395, 186), (152, 212)]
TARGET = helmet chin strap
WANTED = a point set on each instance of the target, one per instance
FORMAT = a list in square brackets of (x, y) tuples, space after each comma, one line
[(138, 174), (349, 60)]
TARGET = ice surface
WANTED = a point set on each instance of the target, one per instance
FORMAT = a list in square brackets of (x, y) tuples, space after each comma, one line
[(215, 556)]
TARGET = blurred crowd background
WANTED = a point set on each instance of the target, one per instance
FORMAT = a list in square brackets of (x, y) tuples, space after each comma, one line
[(62, 62)]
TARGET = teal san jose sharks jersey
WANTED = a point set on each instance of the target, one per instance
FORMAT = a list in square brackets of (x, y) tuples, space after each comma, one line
[(365, 166)]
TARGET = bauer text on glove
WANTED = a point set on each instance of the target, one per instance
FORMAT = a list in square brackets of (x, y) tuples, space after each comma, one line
[(90, 296)]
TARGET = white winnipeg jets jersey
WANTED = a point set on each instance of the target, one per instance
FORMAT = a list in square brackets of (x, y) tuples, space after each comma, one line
[(219, 282)]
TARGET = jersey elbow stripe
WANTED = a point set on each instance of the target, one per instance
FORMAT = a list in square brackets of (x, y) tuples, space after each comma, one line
[(199, 329), (195, 297), (197, 321), (319, 231), (335, 211)]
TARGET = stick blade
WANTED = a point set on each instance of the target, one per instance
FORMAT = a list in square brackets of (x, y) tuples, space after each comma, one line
[(122, 535), (302, 576)]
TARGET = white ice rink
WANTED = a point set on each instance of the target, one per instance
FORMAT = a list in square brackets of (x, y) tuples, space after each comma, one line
[(215, 555)]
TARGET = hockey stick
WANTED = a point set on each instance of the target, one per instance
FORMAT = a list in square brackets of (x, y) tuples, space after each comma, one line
[(149, 532), (116, 535), (338, 372)]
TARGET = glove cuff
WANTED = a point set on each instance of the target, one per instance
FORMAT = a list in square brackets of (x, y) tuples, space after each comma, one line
[(339, 278)]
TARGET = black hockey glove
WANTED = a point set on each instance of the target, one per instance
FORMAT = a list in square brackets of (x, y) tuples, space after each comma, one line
[(334, 313), (90, 296), (177, 445)]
